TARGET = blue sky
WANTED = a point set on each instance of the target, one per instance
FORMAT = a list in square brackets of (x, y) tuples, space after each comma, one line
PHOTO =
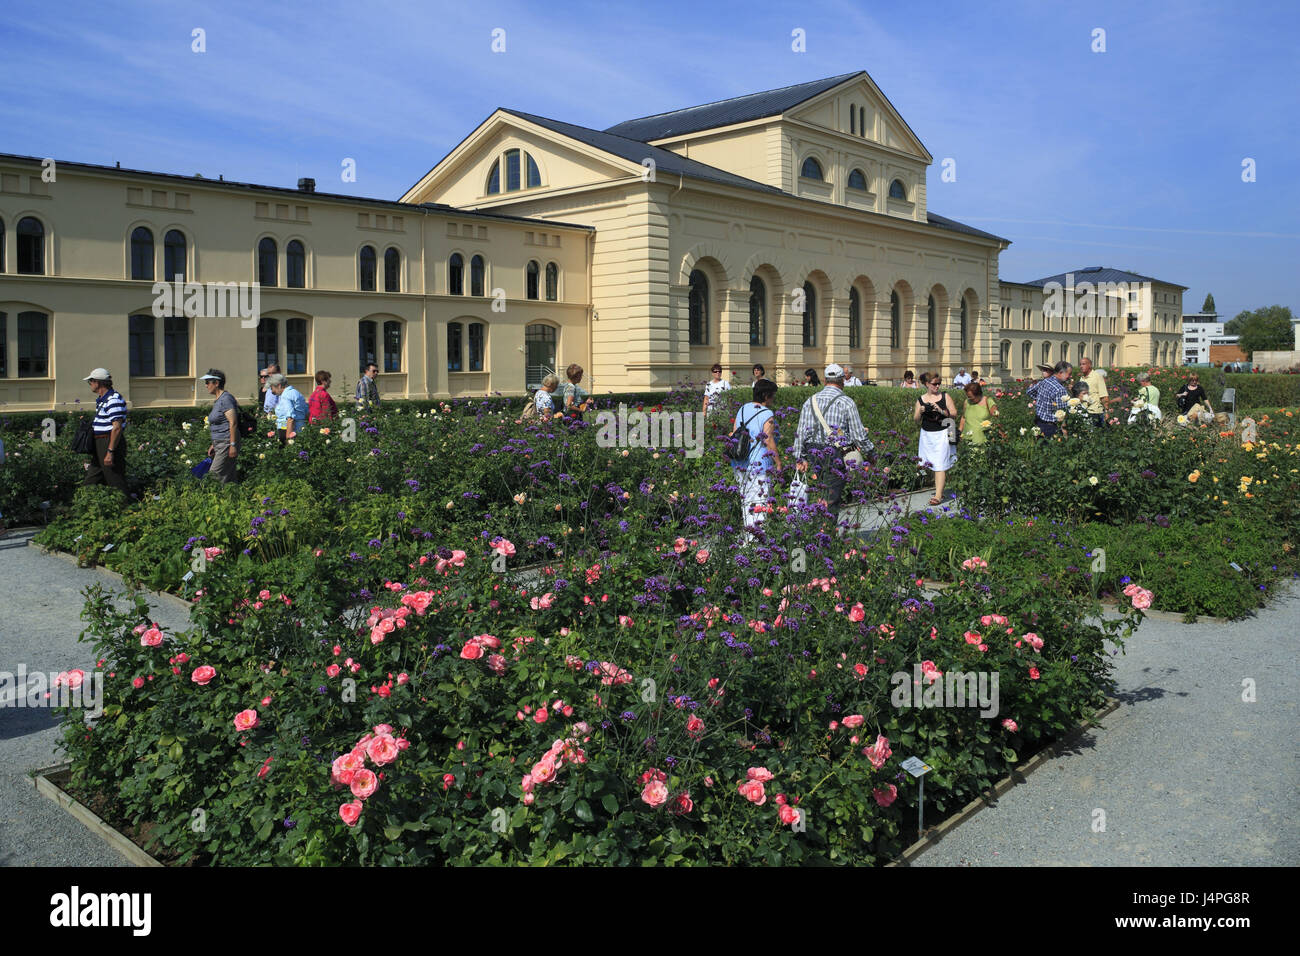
[(1129, 158)]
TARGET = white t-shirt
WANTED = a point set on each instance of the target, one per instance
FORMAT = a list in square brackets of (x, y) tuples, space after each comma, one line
[(852, 380), (713, 389), (962, 379)]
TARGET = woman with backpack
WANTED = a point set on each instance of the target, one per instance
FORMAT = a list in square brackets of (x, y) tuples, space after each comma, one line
[(755, 426), (223, 425)]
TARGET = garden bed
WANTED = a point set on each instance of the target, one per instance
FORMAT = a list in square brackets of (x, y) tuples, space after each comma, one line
[(51, 781)]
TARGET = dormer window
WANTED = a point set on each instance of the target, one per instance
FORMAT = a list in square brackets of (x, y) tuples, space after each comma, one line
[(858, 180), (519, 168), (812, 169), (897, 190)]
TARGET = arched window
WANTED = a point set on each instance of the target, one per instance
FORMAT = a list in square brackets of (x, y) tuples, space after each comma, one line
[(392, 347), (367, 344), (33, 345), (31, 249), (964, 339), (534, 174), (295, 345), (531, 276), (366, 268), (454, 334), (142, 254), (929, 324), (477, 269), (267, 266), (512, 169), (862, 121), (698, 308), (1047, 353), (757, 312), (140, 345), (811, 169), (552, 281), (174, 258), (895, 319), (392, 270), (1083, 351), (1006, 353), (477, 333), (494, 178), (295, 265), (897, 190), (858, 180), (1111, 363), (1096, 351), (1025, 356), (855, 319), (268, 342), (456, 274), (1065, 351), (809, 315)]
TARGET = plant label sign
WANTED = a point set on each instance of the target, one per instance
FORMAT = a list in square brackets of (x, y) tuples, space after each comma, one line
[(188, 575), (109, 547), (1234, 565), (916, 766)]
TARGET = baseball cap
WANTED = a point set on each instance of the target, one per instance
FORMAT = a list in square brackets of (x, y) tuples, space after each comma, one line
[(99, 375), (834, 371)]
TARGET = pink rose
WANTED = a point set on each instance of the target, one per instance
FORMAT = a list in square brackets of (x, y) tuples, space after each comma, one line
[(1142, 599), (487, 641), (351, 812), (701, 555), (682, 804), (246, 720), (1010, 725), (973, 637), (1033, 673), (500, 546), (544, 770), (382, 750), (540, 716), (860, 670), (788, 814), (930, 671), (364, 783), (138, 683), (753, 791), (151, 638), (264, 594), (343, 767), (526, 785), (857, 613), (471, 651), (885, 795), (878, 752), (1132, 589), (496, 664), (694, 726), (760, 774), (542, 603), (679, 545), (1034, 641), (655, 793), (624, 620), (853, 721), (333, 670), (71, 679), (202, 675)]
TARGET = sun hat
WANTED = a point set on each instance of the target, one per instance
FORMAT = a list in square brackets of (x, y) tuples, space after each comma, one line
[(99, 375)]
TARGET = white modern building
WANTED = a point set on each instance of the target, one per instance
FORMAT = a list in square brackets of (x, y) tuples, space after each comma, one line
[(1198, 329)]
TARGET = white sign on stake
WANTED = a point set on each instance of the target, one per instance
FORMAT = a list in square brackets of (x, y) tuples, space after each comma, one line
[(916, 766), (109, 547), (1234, 565)]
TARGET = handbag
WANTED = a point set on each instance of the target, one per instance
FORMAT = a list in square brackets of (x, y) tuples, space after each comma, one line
[(798, 493), (83, 442), (954, 433)]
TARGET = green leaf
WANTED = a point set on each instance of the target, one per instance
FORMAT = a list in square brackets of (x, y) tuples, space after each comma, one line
[(609, 803), (583, 810)]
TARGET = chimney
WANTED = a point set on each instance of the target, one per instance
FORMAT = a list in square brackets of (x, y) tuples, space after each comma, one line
[(307, 185)]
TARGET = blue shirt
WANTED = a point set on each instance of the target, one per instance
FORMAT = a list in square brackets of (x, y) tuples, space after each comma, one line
[(291, 405), (755, 417), (109, 407), (1048, 395), (544, 402)]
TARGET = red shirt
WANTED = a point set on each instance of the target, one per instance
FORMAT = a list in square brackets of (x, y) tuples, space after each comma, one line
[(321, 406)]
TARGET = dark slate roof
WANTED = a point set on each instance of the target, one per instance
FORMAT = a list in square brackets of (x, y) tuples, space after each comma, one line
[(738, 109), (636, 151), (286, 191), (943, 222), (1100, 274)]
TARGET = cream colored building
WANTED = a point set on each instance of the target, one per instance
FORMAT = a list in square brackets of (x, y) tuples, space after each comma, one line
[(1114, 317), (789, 227)]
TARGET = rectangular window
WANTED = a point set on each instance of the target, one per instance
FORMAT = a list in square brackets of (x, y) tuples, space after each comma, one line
[(140, 340), (295, 346), (33, 345), (176, 345), (4, 345), (512, 169), (368, 346), (268, 343), (476, 346), (453, 347), (392, 346)]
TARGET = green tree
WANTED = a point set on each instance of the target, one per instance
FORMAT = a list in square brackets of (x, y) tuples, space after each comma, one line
[(1265, 330), (1208, 305)]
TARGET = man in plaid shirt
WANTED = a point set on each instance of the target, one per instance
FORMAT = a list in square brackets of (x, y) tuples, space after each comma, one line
[(846, 431), (1050, 396)]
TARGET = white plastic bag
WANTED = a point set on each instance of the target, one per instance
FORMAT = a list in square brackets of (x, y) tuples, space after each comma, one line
[(798, 493)]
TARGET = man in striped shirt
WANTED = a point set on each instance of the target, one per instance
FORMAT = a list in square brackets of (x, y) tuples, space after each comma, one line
[(827, 451), (1050, 397), (109, 462)]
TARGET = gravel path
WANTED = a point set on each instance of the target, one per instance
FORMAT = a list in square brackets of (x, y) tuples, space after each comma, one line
[(1187, 773), (40, 598)]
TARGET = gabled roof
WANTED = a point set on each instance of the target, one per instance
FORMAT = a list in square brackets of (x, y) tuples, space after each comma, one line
[(943, 222), (636, 151), (1097, 274), (738, 109)]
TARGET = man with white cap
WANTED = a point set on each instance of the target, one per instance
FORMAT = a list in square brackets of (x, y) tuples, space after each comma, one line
[(109, 460), (830, 431)]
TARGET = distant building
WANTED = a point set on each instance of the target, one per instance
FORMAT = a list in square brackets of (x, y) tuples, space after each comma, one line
[(1198, 329)]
